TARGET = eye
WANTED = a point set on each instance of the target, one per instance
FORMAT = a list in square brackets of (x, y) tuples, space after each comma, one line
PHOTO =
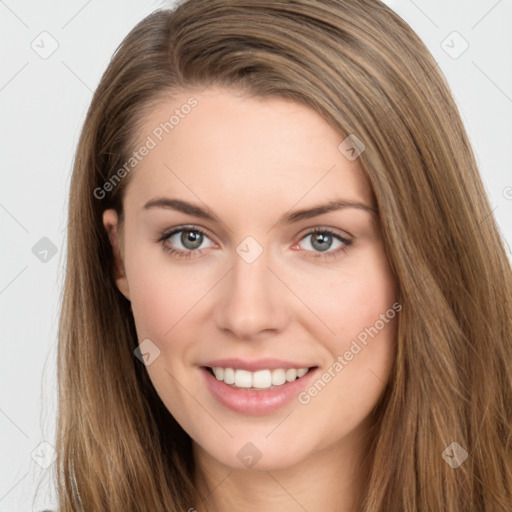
[(184, 241), (321, 242)]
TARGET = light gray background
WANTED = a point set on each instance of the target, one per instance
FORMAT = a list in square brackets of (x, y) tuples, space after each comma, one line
[(43, 103)]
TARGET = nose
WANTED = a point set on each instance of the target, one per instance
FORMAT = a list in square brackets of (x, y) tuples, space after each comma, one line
[(253, 301)]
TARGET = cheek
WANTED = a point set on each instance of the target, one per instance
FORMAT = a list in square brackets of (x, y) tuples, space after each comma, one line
[(360, 307), (162, 292), (163, 297), (367, 303), (351, 385), (365, 344), (154, 300), (366, 370), (352, 297), (369, 333)]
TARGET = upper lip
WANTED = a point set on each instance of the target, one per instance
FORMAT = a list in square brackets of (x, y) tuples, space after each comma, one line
[(259, 364)]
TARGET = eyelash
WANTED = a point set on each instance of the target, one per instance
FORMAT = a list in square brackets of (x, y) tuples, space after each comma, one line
[(198, 252)]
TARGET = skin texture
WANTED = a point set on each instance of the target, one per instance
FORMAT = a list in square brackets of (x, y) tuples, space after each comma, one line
[(251, 160)]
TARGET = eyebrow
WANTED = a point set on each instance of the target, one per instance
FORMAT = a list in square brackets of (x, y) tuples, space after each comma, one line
[(287, 218)]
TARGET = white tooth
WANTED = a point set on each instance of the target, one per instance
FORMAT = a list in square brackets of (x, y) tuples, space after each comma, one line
[(262, 379), (302, 372), (229, 375), (278, 377), (291, 374), (243, 379), (219, 372)]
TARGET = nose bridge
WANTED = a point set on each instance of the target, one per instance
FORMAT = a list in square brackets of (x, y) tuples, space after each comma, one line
[(252, 299)]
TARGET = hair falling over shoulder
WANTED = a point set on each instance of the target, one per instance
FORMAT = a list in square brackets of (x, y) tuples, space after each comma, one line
[(363, 69)]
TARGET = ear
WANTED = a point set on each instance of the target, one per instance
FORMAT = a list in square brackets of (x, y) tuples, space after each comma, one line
[(111, 225)]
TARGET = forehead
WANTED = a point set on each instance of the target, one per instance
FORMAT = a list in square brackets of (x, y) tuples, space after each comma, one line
[(230, 147)]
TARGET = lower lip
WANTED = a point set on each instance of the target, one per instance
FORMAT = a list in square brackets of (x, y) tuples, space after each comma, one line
[(263, 401)]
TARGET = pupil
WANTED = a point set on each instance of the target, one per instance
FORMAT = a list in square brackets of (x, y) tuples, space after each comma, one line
[(322, 238)]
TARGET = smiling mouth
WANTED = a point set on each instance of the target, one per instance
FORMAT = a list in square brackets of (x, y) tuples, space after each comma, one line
[(258, 380)]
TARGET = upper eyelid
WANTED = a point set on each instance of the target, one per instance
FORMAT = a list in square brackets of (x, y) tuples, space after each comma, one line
[(336, 232), (166, 233)]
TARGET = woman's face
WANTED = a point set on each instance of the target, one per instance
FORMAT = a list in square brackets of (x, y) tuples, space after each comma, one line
[(224, 270)]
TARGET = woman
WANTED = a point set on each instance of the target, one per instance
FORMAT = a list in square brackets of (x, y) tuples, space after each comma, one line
[(285, 288)]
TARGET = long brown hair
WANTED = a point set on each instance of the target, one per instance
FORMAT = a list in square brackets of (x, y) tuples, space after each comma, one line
[(363, 69)]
